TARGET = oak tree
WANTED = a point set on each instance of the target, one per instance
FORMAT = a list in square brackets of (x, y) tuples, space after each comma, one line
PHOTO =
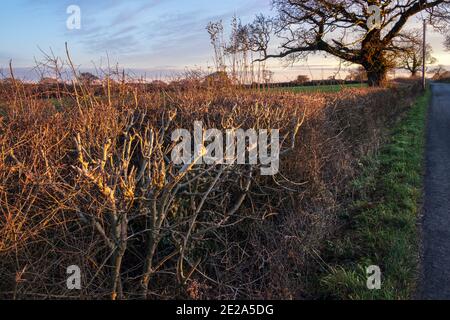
[(350, 30)]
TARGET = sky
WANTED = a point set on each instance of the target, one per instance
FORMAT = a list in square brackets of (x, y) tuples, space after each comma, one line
[(154, 36)]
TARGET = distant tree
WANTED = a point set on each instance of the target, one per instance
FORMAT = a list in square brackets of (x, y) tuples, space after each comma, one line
[(359, 74), (87, 78), (301, 79), (218, 78), (48, 81), (185, 83), (440, 73), (437, 71), (9, 81), (158, 85), (410, 58), (349, 30)]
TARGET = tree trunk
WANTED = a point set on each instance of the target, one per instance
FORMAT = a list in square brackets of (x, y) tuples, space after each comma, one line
[(376, 79), (376, 74)]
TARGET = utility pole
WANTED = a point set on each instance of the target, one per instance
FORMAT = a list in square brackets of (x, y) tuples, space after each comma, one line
[(424, 54)]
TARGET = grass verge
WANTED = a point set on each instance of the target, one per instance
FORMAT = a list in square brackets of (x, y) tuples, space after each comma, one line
[(381, 222)]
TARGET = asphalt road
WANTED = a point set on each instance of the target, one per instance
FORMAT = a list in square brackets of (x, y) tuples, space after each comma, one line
[(435, 282)]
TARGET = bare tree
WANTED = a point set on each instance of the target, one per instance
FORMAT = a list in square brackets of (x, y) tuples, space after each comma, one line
[(440, 73), (237, 53), (447, 43), (260, 32), (301, 79), (87, 77), (238, 49), (358, 74), (215, 31), (341, 28), (410, 58)]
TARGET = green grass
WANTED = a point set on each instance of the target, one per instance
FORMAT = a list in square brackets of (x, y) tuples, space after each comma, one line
[(322, 89), (381, 221)]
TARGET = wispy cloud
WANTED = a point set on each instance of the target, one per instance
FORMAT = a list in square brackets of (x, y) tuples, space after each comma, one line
[(145, 33)]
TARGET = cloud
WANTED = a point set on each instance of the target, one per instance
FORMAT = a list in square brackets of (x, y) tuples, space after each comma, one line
[(6, 57), (117, 44), (112, 26), (143, 32), (130, 14)]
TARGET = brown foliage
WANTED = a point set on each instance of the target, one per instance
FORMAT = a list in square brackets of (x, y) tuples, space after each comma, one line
[(87, 180)]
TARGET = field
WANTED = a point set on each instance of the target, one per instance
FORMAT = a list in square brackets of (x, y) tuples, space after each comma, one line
[(86, 179), (323, 88)]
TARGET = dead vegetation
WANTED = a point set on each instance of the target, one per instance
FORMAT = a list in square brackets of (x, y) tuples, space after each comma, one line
[(86, 179)]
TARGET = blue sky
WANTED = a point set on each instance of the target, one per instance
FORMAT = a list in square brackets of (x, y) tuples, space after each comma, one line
[(136, 33), (139, 34)]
